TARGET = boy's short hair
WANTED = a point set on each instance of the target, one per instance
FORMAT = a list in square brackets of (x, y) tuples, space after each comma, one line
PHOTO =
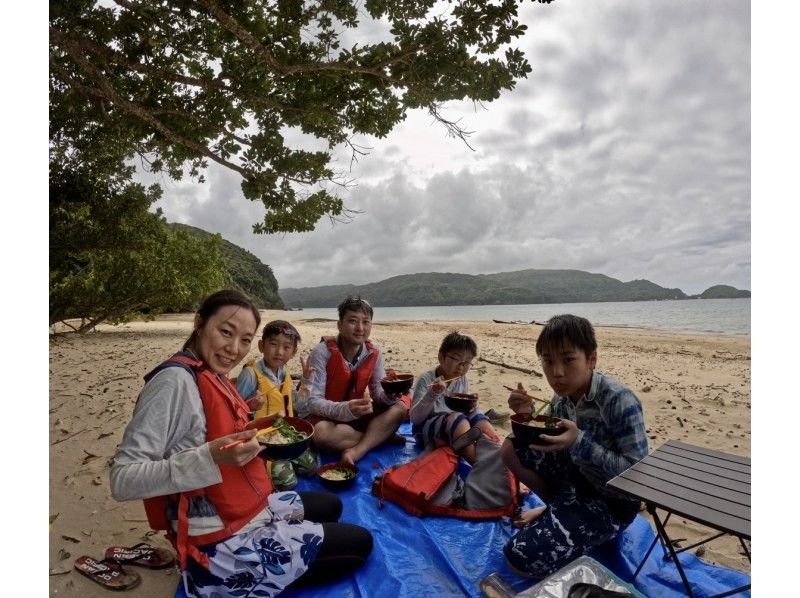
[(276, 327), (356, 304), (575, 329), (455, 341)]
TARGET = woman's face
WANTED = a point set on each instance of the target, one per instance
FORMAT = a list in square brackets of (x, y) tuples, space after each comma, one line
[(225, 338)]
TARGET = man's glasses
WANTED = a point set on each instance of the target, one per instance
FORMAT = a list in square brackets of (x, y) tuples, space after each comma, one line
[(462, 364)]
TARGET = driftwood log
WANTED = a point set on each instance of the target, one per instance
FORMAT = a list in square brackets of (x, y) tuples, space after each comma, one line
[(517, 322), (512, 367)]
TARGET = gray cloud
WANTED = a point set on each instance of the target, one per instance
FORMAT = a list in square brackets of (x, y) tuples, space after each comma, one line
[(626, 152)]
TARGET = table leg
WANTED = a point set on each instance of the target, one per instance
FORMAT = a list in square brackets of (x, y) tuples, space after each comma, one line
[(662, 533), (644, 560), (746, 551)]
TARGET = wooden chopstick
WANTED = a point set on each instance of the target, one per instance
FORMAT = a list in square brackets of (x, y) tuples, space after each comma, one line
[(261, 432), (526, 394)]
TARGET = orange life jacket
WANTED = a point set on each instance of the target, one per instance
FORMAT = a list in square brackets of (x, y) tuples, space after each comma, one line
[(243, 492), (342, 384)]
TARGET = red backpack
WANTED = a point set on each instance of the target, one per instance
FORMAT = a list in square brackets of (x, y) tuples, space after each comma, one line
[(431, 485)]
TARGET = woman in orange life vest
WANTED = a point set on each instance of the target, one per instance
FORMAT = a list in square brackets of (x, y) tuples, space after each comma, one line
[(231, 531)]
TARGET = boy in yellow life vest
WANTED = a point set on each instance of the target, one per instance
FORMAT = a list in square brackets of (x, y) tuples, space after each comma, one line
[(265, 383)]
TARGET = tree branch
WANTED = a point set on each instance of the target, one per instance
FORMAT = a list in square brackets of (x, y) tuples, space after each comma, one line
[(512, 367), (454, 129), (108, 92), (117, 58), (356, 150), (250, 41)]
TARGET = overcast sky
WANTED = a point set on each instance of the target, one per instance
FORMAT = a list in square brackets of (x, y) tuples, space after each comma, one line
[(625, 152)]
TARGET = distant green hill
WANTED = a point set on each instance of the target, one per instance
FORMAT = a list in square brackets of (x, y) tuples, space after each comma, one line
[(722, 291), (245, 271), (504, 288)]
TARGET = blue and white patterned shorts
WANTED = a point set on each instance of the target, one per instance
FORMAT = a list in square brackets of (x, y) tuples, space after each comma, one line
[(263, 561), (576, 519)]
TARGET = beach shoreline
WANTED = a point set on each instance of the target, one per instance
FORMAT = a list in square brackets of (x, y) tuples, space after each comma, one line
[(693, 387)]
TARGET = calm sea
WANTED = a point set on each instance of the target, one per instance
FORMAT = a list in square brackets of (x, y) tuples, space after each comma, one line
[(708, 316)]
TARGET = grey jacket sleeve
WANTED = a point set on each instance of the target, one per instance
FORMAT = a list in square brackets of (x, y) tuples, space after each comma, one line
[(164, 449)]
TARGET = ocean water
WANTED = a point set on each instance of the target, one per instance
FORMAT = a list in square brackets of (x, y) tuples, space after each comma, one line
[(705, 316)]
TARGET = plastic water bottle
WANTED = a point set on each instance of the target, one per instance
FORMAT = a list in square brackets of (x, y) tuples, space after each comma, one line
[(494, 586)]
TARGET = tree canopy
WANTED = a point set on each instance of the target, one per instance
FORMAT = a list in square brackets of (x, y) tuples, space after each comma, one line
[(177, 84), (111, 259)]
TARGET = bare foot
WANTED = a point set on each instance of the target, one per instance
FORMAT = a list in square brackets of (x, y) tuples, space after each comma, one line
[(524, 490), (527, 517), (350, 456)]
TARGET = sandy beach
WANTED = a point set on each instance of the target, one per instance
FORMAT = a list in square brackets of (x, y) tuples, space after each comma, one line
[(694, 388)]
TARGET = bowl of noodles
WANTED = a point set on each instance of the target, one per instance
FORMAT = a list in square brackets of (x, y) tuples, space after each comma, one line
[(528, 428), (397, 383), (337, 476), (463, 402), (282, 438)]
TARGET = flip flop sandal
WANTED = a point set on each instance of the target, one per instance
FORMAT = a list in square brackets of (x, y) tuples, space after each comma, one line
[(141, 555), (107, 573), (497, 417)]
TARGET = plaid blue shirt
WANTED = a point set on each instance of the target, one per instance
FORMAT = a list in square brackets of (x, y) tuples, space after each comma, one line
[(611, 430)]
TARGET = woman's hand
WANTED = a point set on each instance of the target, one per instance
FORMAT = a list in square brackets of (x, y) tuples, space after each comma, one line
[(237, 455), (360, 407), (519, 401), (561, 442)]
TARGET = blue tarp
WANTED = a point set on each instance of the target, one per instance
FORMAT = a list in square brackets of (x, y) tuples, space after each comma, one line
[(443, 556)]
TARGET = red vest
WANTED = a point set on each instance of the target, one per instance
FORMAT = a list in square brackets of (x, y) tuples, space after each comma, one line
[(243, 491), (343, 384)]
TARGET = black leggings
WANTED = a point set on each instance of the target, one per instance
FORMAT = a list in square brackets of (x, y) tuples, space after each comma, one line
[(321, 507), (345, 547)]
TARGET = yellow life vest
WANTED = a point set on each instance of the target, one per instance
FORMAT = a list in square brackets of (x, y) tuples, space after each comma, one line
[(272, 394)]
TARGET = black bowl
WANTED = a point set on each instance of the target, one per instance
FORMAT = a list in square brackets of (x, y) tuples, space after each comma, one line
[(459, 401), (527, 429), (283, 452), (337, 484), (398, 385)]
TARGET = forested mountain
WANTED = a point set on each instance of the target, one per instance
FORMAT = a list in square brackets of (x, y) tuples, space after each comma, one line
[(503, 288), (722, 291), (244, 271)]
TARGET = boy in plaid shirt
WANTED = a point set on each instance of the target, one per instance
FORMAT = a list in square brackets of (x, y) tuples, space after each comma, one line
[(603, 434)]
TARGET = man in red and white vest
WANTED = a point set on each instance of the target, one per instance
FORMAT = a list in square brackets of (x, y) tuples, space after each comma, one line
[(346, 366)]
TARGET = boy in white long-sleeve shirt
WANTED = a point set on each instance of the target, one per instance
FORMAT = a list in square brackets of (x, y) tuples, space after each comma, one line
[(434, 423)]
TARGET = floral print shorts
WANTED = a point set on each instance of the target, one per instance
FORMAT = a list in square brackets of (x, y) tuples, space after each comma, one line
[(260, 562)]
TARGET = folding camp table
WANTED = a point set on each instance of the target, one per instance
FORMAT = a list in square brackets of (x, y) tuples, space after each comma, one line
[(708, 487)]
